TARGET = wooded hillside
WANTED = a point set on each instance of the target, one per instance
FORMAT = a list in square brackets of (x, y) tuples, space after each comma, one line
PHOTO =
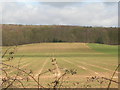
[(25, 34)]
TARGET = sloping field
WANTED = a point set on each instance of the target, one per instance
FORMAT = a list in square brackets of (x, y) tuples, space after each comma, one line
[(89, 60)]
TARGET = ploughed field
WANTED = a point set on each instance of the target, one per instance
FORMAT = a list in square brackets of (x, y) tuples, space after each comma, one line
[(89, 61)]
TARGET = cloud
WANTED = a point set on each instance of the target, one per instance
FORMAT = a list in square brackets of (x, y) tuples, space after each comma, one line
[(60, 4), (94, 14), (59, 0)]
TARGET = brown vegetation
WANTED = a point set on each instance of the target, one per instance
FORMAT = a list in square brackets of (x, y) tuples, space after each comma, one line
[(25, 34)]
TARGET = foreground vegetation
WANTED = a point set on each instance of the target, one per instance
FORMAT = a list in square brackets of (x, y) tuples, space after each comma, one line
[(27, 34), (90, 62)]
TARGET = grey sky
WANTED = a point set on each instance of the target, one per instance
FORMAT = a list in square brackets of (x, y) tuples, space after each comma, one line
[(82, 13)]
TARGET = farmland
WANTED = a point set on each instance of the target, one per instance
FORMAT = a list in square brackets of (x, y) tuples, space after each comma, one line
[(88, 59)]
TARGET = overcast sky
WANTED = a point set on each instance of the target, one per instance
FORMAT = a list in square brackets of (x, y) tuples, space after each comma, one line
[(65, 13)]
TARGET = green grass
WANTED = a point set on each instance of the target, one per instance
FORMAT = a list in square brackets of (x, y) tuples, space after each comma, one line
[(110, 49), (87, 59)]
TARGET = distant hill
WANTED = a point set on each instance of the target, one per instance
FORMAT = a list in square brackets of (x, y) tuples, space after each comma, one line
[(26, 34)]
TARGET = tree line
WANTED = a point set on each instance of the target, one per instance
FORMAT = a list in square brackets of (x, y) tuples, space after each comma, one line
[(26, 34)]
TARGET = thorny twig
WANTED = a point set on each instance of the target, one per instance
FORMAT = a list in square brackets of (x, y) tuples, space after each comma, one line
[(113, 76), (111, 80), (15, 77), (5, 52), (12, 82), (24, 72)]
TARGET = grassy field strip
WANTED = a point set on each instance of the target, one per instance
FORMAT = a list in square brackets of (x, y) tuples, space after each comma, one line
[(95, 71), (74, 64), (47, 76), (21, 67), (39, 72), (91, 49), (36, 65), (95, 66), (105, 66), (33, 65), (81, 67), (98, 67), (16, 61), (95, 61), (63, 65), (91, 65), (101, 64), (24, 65), (108, 49), (17, 65), (49, 66), (83, 45), (46, 65)]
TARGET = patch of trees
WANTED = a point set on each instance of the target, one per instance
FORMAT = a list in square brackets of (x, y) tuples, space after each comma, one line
[(26, 34)]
